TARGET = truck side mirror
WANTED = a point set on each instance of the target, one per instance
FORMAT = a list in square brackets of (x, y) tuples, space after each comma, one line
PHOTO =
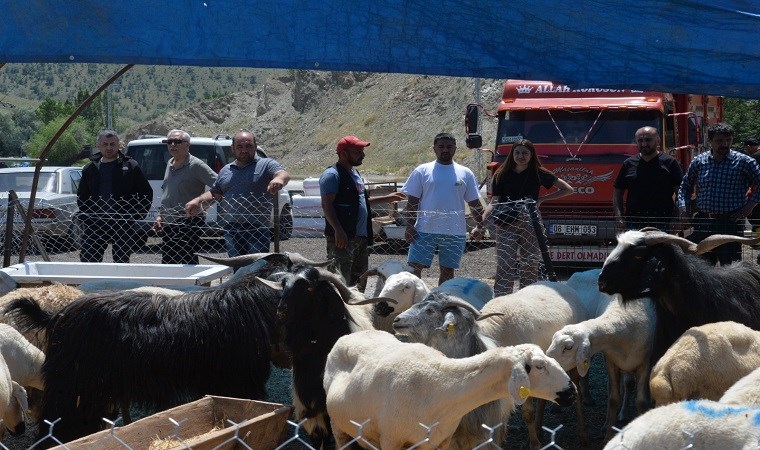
[(472, 125)]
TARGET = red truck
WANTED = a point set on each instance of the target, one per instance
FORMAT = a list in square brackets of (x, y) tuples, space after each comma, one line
[(583, 136)]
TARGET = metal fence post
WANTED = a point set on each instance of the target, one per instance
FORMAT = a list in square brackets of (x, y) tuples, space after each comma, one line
[(538, 230)]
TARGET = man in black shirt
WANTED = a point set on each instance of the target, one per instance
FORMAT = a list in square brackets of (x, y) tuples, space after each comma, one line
[(649, 181)]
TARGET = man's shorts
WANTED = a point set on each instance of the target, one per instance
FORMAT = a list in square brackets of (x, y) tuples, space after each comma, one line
[(450, 249)]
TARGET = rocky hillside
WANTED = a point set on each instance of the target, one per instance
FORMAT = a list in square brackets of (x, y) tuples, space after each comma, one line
[(300, 115)]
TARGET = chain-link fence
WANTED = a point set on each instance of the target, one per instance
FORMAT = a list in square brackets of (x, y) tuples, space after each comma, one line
[(530, 247)]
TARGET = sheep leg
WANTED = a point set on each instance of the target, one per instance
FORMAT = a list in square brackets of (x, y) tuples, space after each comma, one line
[(643, 397), (582, 434), (613, 398), (529, 416)]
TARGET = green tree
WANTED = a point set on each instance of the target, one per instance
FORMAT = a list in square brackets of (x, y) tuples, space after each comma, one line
[(51, 109), (68, 146), (744, 116), (16, 128)]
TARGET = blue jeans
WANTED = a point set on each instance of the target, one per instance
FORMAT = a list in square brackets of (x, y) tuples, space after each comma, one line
[(243, 240)]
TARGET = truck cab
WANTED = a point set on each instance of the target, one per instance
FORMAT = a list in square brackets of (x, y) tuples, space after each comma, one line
[(583, 136)]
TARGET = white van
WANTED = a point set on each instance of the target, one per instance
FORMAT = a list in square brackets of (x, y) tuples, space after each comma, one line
[(151, 154)]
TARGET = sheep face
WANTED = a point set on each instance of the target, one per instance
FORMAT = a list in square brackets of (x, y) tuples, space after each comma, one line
[(571, 348), (546, 377), (630, 267), (405, 288), (432, 320)]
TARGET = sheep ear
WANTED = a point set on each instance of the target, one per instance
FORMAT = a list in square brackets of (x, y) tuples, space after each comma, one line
[(583, 357), (519, 382), (449, 324)]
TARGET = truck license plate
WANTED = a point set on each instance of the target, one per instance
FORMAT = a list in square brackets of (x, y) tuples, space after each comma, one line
[(572, 230)]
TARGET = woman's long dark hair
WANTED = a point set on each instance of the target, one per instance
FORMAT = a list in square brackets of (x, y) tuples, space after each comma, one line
[(533, 165)]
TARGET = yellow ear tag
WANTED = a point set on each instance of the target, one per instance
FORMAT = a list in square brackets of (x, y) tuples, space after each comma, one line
[(585, 364), (450, 328), (524, 392)]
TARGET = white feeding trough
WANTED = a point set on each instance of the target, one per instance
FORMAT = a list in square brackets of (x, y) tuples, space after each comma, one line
[(148, 274)]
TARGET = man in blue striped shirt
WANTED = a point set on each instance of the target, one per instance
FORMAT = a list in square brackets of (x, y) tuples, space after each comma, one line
[(720, 179)]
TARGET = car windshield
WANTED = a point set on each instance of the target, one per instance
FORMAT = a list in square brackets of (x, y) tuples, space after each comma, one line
[(22, 182)]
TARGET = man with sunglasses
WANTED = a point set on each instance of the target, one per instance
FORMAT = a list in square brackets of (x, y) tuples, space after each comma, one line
[(186, 178), (649, 181), (112, 195), (348, 216)]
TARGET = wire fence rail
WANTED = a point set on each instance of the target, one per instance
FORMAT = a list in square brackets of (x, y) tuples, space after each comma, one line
[(291, 436), (527, 248)]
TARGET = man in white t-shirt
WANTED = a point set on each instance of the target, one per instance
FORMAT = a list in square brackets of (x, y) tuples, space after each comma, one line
[(435, 214)]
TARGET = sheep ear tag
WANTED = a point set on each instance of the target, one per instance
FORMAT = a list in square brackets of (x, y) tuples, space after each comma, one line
[(450, 328), (523, 392)]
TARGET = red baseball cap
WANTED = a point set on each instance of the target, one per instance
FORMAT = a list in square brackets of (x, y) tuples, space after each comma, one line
[(347, 142)]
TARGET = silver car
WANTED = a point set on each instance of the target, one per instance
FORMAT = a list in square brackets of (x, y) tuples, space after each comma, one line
[(55, 205)]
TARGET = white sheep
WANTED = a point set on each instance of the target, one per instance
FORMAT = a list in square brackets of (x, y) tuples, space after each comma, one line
[(23, 359), (390, 386), (586, 285), (383, 271), (624, 335), (13, 403), (704, 362), (404, 287), (698, 424), (448, 324), (532, 315), (746, 391), (474, 291)]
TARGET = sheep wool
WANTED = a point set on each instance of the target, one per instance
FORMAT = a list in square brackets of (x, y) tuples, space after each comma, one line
[(699, 424)]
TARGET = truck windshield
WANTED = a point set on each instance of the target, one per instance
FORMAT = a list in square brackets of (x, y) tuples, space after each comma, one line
[(541, 126)]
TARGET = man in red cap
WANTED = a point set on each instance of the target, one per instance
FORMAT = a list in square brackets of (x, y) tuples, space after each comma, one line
[(346, 205)]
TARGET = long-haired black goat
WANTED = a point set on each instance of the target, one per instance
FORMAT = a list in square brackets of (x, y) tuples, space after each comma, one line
[(108, 349), (316, 309), (686, 289)]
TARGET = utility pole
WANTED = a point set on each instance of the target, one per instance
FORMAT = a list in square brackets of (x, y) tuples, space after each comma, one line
[(109, 104)]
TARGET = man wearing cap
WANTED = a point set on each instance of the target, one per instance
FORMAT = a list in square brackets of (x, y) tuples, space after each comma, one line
[(186, 178), (346, 206)]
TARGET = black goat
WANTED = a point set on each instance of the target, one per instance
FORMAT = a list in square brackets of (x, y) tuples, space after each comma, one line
[(108, 349), (687, 290), (316, 309)]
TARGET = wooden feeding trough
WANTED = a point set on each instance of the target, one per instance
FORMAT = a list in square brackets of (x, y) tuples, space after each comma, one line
[(203, 425)]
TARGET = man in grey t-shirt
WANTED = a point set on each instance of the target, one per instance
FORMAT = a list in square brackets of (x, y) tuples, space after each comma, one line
[(186, 178), (245, 190)]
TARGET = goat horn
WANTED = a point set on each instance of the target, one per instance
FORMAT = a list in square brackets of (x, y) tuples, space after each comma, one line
[(300, 259), (345, 293), (368, 274), (272, 284), (485, 316), (450, 300), (715, 240), (236, 261), (660, 237), (368, 301)]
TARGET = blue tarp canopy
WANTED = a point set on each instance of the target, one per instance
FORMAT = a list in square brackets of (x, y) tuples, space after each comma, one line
[(670, 45)]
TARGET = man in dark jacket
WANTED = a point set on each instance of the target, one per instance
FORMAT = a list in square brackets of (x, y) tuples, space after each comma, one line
[(112, 195), (345, 203)]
